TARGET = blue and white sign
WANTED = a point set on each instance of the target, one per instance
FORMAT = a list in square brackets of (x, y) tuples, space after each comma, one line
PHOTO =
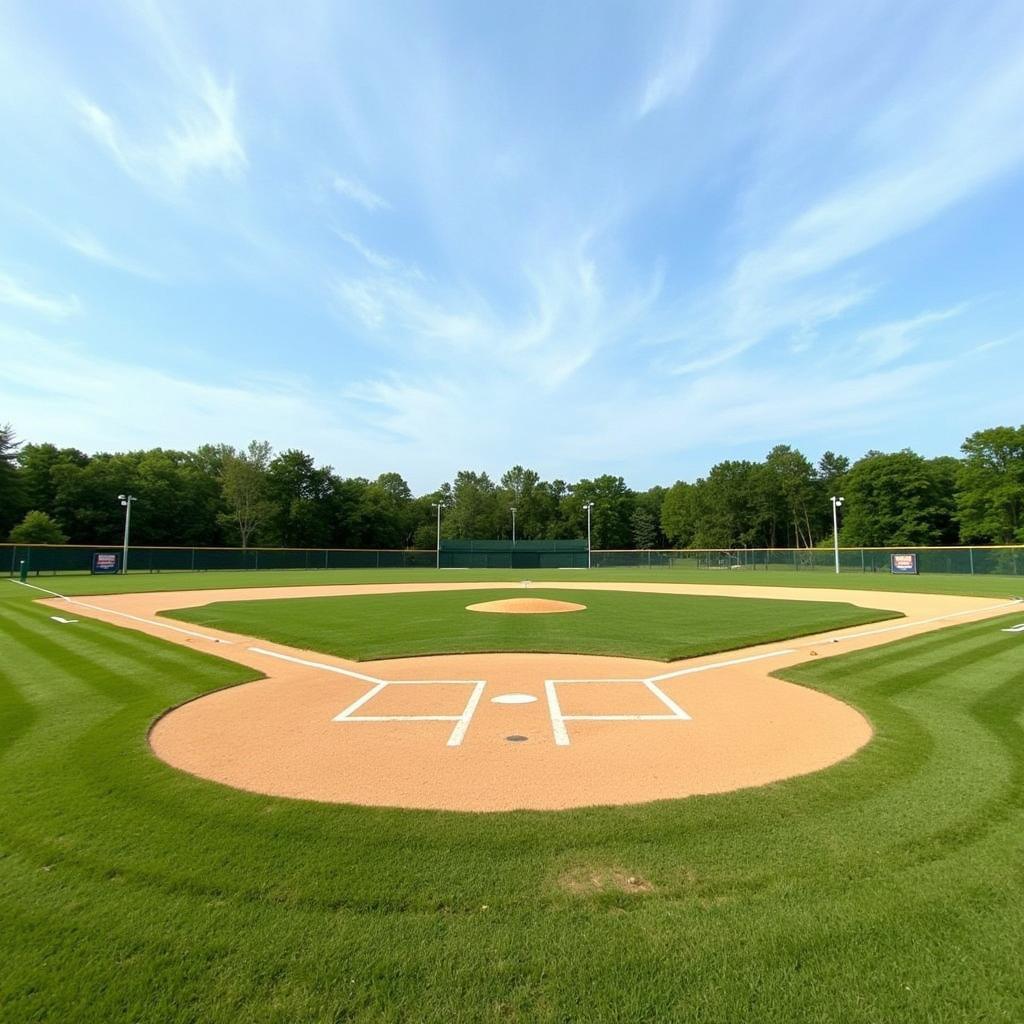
[(903, 564), (104, 562)]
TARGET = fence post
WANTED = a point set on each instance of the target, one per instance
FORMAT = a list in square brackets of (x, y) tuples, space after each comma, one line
[(971, 552), (862, 569)]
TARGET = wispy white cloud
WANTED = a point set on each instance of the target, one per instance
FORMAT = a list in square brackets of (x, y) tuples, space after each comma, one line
[(93, 249), (202, 138), (141, 406), (690, 47), (355, 190), (995, 343), (887, 342), (778, 284), (14, 293)]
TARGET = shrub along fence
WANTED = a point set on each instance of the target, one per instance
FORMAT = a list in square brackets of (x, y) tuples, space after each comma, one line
[(78, 558)]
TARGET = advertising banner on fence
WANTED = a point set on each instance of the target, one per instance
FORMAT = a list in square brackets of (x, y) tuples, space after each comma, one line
[(104, 562), (903, 564)]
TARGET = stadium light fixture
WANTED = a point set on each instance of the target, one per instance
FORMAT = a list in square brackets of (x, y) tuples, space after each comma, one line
[(836, 503), (126, 503), (438, 505), (589, 507)]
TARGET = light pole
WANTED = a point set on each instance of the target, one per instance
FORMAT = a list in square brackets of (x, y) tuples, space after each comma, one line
[(836, 502), (513, 526), (437, 505), (589, 505), (126, 502)]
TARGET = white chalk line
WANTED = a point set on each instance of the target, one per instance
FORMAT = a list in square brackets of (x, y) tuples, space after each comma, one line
[(558, 719), (461, 721), (558, 728), (124, 615), (459, 732)]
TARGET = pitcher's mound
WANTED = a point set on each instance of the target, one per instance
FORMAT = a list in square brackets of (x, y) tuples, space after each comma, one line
[(526, 606)]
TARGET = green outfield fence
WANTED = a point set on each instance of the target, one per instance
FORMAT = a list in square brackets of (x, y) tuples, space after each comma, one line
[(969, 561), (561, 554), (504, 554), (70, 558)]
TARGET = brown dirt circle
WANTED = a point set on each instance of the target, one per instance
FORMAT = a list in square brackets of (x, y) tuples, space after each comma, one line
[(427, 733), (526, 606)]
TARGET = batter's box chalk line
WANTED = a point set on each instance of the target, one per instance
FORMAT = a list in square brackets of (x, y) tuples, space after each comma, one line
[(558, 718), (461, 721)]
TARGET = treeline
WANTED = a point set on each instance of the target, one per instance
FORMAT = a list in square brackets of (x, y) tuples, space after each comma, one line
[(219, 495)]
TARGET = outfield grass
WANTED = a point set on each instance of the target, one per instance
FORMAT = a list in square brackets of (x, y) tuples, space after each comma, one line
[(929, 583), (661, 627), (886, 888)]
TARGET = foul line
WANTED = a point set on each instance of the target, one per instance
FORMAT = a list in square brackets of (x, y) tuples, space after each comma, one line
[(123, 615), (318, 664)]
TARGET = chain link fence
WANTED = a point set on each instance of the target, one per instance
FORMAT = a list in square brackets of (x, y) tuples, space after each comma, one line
[(67, 558), (45, 559), (968, 561)]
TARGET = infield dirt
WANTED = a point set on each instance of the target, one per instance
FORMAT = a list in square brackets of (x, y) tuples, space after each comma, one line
[(280, 735)]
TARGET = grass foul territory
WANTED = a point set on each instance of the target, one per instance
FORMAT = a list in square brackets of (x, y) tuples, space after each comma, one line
[(656, 626)]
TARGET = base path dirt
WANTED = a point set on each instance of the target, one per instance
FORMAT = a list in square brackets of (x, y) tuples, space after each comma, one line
[(490, 732)]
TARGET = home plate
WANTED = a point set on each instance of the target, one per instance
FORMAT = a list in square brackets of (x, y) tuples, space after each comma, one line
[(513, 698)]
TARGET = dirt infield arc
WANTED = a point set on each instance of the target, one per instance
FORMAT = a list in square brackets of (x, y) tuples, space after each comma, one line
[(567, 731)]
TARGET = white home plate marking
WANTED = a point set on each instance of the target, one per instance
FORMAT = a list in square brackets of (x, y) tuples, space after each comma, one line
[(513, 698)]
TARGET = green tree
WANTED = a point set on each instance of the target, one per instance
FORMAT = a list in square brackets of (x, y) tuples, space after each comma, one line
[(897, 499), (473, 508), (644, 527), (12, 495), (298, 496), (388, 512), (611, 522), (727, 506), (38, 528), (523, 490), (990, 486), (679, 514), (794, 478), (37, 462), (244, 486)]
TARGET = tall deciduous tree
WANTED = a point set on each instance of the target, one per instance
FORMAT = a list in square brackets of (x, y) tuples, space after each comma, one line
[(679, 514), (38, 528), (897, 498), (12, 495), (990, 486), (244, 484)]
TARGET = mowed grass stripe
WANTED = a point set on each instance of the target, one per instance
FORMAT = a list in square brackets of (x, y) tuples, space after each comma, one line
[(132, 892), (661, 627)]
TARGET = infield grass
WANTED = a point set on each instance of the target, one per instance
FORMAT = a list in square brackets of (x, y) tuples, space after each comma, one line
[(887, 888), (660, 627)]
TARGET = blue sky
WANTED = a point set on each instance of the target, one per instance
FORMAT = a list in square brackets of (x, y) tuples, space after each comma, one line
[(584, 237)]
